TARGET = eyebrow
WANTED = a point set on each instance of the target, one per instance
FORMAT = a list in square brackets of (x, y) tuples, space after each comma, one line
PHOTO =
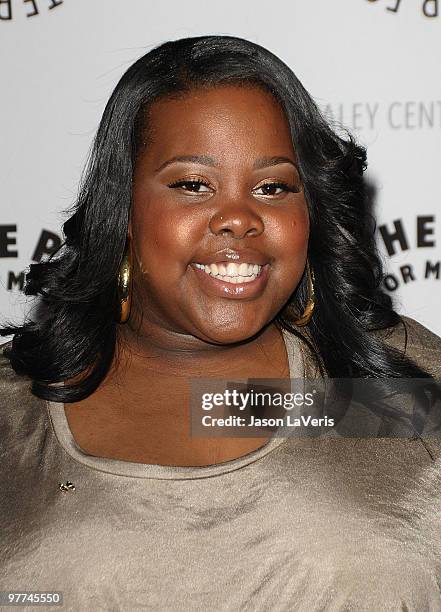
[(204, 160)]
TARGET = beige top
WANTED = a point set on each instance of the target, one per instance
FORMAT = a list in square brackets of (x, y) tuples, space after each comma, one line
[(307, 524)]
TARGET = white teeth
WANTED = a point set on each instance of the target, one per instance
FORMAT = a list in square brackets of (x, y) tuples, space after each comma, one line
[(243, 269), (232, 272), (232, 269)]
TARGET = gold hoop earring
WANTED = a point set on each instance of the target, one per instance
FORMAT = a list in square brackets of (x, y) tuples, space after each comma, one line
[(124, 290), (305, 318)]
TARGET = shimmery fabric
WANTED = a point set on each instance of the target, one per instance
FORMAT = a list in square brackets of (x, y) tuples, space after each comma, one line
[(307, 524)]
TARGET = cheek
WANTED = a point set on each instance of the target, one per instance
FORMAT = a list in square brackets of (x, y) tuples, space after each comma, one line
[(291, 233), (164, 237)]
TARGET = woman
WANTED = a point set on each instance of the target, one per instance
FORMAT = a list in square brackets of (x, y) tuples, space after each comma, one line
[(226, 224)]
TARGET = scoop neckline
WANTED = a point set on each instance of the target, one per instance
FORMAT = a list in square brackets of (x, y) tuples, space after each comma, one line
[(119, 467)]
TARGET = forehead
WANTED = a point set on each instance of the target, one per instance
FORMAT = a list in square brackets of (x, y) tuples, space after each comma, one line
[(223, 118)]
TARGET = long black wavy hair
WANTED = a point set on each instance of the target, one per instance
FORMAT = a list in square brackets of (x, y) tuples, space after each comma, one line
[(76, 331)]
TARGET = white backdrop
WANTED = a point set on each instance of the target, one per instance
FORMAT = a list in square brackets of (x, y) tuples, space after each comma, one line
[(370, 64)]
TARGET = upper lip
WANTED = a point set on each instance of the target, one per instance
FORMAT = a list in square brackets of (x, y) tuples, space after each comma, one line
[(234, 256)]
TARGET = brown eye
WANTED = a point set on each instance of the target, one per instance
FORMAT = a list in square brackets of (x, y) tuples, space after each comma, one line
[(194, 186), (272, 189)]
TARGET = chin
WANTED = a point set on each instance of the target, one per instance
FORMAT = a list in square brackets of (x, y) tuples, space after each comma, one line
[(225, 335)]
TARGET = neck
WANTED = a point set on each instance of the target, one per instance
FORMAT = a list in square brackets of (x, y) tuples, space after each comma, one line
[(181, 355)]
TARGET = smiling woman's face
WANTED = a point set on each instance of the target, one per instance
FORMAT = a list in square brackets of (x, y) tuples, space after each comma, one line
[(217, 184)]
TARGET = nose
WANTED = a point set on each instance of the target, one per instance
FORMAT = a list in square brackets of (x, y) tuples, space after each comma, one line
[(237, 222)]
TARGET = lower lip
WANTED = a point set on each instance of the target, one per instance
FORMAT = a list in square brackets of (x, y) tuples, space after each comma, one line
[(236, 291)]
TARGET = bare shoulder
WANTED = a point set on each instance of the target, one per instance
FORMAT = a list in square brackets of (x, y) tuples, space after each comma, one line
[(416, 342)]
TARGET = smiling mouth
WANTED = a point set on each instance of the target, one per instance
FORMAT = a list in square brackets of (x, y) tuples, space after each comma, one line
[(230, 272)]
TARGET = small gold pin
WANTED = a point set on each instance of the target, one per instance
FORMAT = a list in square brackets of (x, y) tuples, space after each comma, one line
[(68, 486)]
